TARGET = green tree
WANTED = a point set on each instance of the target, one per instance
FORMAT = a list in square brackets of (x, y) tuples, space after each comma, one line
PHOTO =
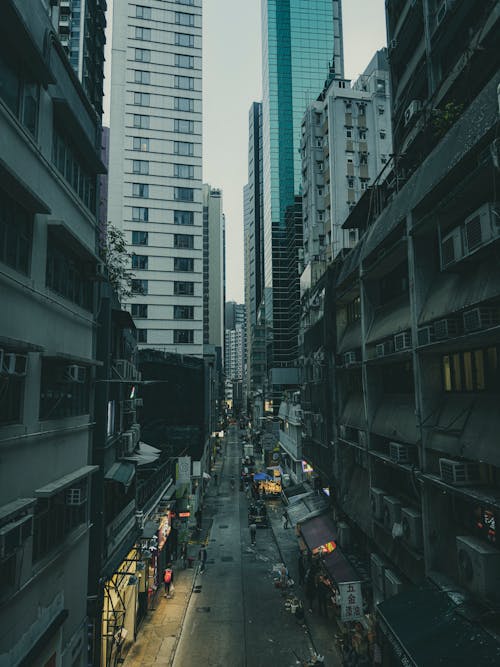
[(117, 260)]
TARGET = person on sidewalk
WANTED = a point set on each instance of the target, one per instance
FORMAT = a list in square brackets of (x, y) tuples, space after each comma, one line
[(197, 516), (202, 557), (184, 555), (168, 579), (286, 523), (253, 533), (311, 589), (216, 478), (323, 594), (302, 570)]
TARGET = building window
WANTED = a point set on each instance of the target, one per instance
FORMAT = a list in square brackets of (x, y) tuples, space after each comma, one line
[(143, 12), (183, 336), (362, 135), (143, 55), (183, 126), (183, 194), (364, 183), (363, 158), (60, 395), (57, 516), (183, 218), (381, 110), (16, 233), (183, 312), (319, 143), (181, 18), (472, 371), (354, 310), (185, 148), (382, 134), (140, 190), (183, 82), (350, 183), (183, 171), (141, 144), (139, 261), (139, 286), (139, 238), (143, 33), (140, 213), (181, 60), (183, 288), (348, 134), (11, 391), (184, 264), (71, 166), (383, 158), (183, 241), (181, 39), (20, 95), (142, 99), (185, 2), (183, 104), (140, 310), (66, 273), (140, 167), (141, 122), (140, 76), (142, 335)]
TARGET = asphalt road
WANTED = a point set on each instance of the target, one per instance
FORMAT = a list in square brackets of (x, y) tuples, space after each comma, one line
[(236, 617)]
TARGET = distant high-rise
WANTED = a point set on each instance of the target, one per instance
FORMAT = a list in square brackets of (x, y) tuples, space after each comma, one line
[(213, 267), (300, 42), (155, 186)]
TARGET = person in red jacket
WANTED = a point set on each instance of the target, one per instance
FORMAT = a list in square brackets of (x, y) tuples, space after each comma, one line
[(168, 579)]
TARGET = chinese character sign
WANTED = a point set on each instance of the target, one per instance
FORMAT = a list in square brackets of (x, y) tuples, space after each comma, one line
[(183, 470), (351, 601)]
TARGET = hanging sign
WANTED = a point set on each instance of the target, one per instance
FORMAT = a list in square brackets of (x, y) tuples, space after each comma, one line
[(183, 470), (351, 601)]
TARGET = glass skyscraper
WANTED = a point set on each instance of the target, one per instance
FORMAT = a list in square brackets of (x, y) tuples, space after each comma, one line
[(298, 48)]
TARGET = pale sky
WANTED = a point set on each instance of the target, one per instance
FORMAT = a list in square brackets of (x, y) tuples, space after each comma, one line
[(232, 81)]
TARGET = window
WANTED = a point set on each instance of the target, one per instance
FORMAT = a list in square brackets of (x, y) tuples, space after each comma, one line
[(143, 33), (140, 213), (181, 18), (142, 12), (353, 310), (183, 288), (184, 82), (183, 194), (143, 55), (183, 148), (320, 192), (181, 39), (362, 135), (60, 397), (183, 312), (66, 273), (383, 158), (184, 61), (139, 261), (11, 391), (142, 99), (183, 104), (348, 134), (20, 95), (183, 171), (183, 241), (16, 230), (381, 110), (57, 516), (350, 183), (140, 310), (139, 238), (183, 336), (184, 126), (382, 134), (380, 85), (184, 264), (72, 167), (363, 158), (141, 122), (319, 142), (140, 190), (364, 183), (142, 335), (139, 286), (140, 166), (140, 76), (471, 370), (185, 2), (141, 144), (183, 218)]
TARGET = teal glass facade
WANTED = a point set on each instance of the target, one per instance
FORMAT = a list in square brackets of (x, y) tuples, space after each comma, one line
[(297, 48)]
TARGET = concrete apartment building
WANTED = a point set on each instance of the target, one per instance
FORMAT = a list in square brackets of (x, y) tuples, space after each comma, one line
[(50, 148), (155, 181), (213, 264)]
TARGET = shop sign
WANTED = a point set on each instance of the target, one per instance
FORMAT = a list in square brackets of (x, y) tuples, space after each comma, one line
[(351, 601), (196, 468), (163, 531), (184, 515), (327, 548), (183, 470)]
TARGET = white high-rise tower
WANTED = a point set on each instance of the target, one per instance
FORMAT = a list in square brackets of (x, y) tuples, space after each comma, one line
[(155, 180)]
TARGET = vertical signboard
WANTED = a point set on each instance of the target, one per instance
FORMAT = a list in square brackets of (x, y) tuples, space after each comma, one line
[(183, 470), (351, 601)]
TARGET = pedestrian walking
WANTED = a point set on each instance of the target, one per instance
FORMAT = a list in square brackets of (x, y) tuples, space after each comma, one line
[(284, 516), (168, 579), (323, 594), (253, 533), (216, 479), (302, 570), (202, 557), (311, 589), (197, 516), (184, 555)]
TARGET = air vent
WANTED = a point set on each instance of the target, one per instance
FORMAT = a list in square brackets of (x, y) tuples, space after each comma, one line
[(478, 566), (412, 527), (350, 358), (425, 335), (447, 328), (402, 341), (481, 227), (458, 473), (399, 453), (385, 348), (480, 318)]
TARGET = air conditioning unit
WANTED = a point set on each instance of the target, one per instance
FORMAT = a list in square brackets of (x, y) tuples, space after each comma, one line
[(480, 318), (402, 341), (127, 442), (392, 584), (392, 511), (139, 402), (377, 568), (451, 248), (344, 534), (75, 373), (14, 534), (14, 364), (379, 350), (343, 431), (447, 328), (129, 405), (377, 498), (412, 527), (411, 110), (350, 358), (458, 473), (136, 430), (481, 226), (362, 438), (478, 566), (299, 414), (75, 496), (124, 369), (399, 453), (425, 335)]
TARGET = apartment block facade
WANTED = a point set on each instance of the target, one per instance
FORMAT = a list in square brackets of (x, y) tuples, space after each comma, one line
[(155, 191)]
